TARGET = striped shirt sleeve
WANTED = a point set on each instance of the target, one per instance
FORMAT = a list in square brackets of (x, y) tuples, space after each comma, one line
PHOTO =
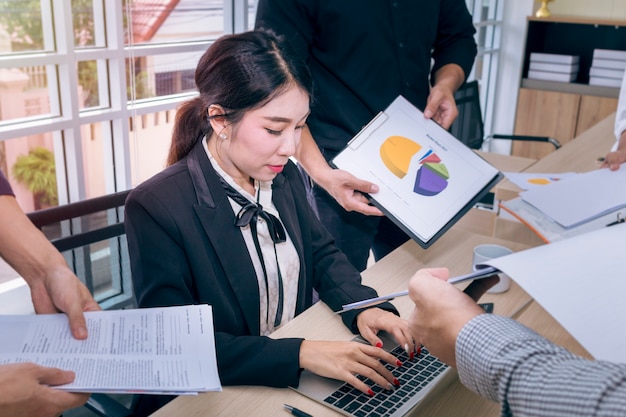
[(506, 362)]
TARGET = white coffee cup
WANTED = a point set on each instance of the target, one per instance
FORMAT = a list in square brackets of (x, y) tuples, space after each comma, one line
[(486, 252)]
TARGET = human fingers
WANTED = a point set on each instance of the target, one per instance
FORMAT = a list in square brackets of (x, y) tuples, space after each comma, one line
[(613, 160), (355, 201), (349, 192), (372, 321), (342, 360), (71, 297), (62, 400), (441, 107), (54, 376), (419, 282), (446, 112), (47, 400)]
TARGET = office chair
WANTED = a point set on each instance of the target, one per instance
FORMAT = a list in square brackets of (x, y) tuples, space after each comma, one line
[(468, 126), (91, 236)]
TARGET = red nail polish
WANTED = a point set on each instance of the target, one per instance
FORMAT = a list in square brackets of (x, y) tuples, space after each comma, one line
[(396, 382), (419, 350), (370, 392), (398, 363), (379, 345)]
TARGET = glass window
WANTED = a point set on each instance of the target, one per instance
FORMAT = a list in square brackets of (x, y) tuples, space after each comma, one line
[(161, 75), (487, 15), (166, 21), (25, 92), (89, 111), (21, 26), (30, 165)]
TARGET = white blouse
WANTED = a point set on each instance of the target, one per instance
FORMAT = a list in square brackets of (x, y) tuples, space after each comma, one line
[(286, 252)]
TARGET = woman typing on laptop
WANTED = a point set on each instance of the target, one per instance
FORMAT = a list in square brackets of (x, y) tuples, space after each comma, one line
[(228, 224)]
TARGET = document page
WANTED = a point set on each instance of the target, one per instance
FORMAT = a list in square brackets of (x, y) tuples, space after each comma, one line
[(428, 179), (580, 282), (584, 197), (167, 350)]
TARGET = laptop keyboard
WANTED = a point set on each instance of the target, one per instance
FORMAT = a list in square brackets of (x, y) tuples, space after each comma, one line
[(413, 375)]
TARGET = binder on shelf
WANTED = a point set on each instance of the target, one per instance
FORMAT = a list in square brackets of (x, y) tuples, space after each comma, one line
[(552, 76), (614, 54), (605, 82), (609, 63), (554, 58), (559, 68), (428, 179), (606, 73)]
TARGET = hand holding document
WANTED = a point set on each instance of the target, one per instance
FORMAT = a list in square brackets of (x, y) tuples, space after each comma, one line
[(151, 351), (428, 179)]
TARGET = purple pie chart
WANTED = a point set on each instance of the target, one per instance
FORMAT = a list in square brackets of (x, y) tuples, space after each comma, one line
[(431, 179)]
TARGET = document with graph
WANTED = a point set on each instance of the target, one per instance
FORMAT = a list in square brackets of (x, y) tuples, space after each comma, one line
[(428, 179), (169, 350)]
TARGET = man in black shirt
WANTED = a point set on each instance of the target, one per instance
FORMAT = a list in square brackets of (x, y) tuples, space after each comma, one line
[(363, 54)]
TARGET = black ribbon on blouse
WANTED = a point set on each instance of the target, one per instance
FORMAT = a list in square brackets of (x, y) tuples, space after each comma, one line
[(249, 215)]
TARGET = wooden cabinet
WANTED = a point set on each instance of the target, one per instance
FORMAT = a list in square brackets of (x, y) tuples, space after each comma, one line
[(564, 110)]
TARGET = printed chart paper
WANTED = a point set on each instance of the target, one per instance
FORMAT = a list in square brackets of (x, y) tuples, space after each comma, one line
[(428, 179)]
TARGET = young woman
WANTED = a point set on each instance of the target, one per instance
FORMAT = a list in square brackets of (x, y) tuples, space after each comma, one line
[(228, 224)]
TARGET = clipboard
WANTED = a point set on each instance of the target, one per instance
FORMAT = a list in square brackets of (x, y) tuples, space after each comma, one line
[(427, 178)]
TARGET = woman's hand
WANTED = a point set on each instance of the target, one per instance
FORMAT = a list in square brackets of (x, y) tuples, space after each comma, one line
[(614, 159), (373, 320), (344, 360)]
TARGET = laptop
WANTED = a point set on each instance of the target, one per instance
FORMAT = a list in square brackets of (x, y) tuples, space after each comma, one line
[(418, 378)]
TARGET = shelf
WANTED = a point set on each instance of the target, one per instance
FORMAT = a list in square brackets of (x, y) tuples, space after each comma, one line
[(574, 88), (573, 36), (578, 20)]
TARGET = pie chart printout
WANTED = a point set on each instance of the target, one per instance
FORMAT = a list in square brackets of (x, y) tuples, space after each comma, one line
[(432, 176)]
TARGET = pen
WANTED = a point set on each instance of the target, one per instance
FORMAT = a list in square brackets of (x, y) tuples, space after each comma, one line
[(620, 219), (296, 412), (483, 272)]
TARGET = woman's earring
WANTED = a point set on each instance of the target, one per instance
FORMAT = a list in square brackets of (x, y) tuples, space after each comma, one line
[(222, 135)]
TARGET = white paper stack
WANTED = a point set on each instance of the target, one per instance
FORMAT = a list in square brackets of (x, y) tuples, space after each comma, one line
[(607, 67), (574, 205), (169, 350), (553, 67)]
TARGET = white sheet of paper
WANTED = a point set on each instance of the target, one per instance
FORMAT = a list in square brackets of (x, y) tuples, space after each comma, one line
[(581, 282), (531, 180), (152, 350), (581, 198)]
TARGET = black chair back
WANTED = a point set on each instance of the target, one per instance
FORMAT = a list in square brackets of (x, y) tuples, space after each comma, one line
[(468, 126)]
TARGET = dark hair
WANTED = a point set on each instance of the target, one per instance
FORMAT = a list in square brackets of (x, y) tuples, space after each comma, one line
[(239, 72)]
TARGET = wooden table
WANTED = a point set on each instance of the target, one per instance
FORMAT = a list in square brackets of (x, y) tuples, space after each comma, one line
[(390, 274)]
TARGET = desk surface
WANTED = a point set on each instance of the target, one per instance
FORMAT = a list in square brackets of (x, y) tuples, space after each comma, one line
[(389, 275)]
